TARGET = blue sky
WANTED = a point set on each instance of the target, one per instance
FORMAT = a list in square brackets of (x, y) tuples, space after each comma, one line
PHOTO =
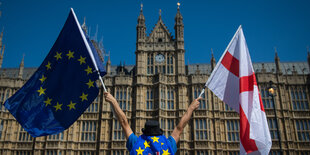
[(31, 27)]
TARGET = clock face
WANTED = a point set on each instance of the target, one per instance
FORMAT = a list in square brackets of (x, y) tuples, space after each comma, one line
[(159, 58)]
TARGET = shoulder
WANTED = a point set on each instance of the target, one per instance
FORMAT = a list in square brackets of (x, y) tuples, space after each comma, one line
[(131, 141), (173, 144)]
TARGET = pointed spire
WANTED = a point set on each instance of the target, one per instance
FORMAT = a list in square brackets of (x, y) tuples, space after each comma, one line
[(178, 16), (1, 37), (84, 27), (1, 55), (121, 66), (109, 58), (1, 33), (108, 66), (276, 52), (159, 14), (141, 7), (22, 62), (277, 60), (21, 68), (141, 16), (179, 29), (141, 29), (2, 51), (212, 60)]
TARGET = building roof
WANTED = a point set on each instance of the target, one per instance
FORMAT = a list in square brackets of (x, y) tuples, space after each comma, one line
[(287, 68), (13, 72)]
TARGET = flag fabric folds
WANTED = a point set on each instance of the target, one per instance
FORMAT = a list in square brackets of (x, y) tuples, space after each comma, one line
[(233, 81), (63, 86)]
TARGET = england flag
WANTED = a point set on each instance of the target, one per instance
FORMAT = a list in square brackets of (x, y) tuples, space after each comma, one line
[(233, 81)]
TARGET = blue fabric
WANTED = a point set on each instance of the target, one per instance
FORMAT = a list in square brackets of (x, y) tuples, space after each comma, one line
[(131, 141), (61, 89), (150, 145), (173, 144)]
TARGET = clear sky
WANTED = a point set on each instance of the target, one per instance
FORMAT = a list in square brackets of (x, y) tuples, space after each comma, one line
[(32, 26)]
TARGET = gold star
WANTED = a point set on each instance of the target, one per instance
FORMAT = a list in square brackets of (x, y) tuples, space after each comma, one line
[(48, 101), (58, 56), (88, 70), (146, 144), (155, 139), (90, 83), (84, 97), (42, 79), (166, 152), (139, 151), (82, 60), (48, 66), (71, 105), (162, 143), (70, 55), (41, 91), (58, 106)]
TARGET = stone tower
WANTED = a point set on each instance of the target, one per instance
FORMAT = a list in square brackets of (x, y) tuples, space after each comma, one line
[(160, 73), (179, 40)]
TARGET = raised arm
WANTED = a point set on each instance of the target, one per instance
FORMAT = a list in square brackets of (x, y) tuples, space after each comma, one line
[(184, 120), (119, 113)]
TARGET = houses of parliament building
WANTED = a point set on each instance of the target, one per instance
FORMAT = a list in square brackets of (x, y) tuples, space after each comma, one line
[(160, 87)]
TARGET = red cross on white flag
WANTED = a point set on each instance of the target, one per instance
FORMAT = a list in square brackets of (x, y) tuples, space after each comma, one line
[(233, 81)]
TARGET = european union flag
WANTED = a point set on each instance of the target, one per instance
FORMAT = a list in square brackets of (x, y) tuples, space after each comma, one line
[(63, 86)]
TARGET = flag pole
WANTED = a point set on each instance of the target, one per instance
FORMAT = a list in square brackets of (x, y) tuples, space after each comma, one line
[(89, 50), (101, 80), (202, 91), (211, 76)]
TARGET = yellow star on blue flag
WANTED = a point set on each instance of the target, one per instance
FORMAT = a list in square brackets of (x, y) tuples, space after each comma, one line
[(155, 139), (51, 100), (166, 152)]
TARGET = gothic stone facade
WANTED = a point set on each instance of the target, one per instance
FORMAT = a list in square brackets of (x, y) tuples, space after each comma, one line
[(160, 86)]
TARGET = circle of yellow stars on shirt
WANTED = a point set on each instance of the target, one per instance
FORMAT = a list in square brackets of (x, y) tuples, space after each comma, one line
[(147, 144), (48, 66)]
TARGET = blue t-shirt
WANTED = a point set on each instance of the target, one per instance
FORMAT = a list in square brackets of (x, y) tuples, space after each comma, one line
[(133, 139)]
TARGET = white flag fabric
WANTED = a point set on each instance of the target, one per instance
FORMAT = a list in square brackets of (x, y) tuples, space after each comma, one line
[(233, 81)]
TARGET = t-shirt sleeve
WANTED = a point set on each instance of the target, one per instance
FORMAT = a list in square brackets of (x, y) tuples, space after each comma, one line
[(131, 141), (173, 144)]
